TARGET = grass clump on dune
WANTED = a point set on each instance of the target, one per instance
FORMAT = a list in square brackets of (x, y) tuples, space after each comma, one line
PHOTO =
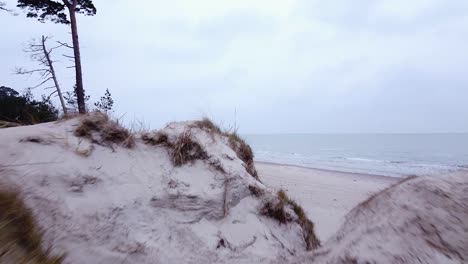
[(185, 150), (277, 210), (155, 139), (182, 150), (20, 237), (100, 129), (208, 125), (240, 147), (244, 152)]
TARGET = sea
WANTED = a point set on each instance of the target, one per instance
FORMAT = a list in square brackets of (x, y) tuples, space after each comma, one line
[(396, 155)]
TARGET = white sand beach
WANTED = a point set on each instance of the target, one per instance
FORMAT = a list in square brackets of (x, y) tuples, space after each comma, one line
[(327, 196)]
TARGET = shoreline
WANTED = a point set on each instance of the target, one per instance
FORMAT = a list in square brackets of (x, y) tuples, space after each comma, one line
[(330, 171)]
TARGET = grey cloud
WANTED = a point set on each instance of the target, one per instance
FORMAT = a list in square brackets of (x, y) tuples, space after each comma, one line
[(349, 72)]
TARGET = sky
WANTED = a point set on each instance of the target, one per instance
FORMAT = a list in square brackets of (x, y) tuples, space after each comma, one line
[(266, 66)]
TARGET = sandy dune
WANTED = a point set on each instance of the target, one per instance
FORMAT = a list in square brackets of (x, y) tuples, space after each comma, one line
[(327, 196)]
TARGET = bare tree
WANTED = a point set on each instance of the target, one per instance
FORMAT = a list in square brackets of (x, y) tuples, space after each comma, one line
[(41, 54)]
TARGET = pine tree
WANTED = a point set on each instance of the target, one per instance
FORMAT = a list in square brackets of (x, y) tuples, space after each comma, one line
[(71, 98), (106, 102)]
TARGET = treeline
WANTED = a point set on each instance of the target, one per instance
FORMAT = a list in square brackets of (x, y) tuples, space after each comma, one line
[(24, 109)]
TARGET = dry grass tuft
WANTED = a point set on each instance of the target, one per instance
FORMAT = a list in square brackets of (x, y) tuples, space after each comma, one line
[(256, 191), (185, 150), (242, 149), (276, 210), (209, 126), (20, 238), (156, 139), (244, 152), (107, 131)]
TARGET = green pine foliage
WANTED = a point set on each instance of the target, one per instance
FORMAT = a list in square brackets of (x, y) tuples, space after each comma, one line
[(24, 109)]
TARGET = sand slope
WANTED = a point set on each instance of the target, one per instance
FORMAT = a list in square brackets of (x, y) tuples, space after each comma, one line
[(417, 220), (110, 204)]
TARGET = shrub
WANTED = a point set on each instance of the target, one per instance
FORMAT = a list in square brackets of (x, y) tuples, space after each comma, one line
[(20, 238), (109, 131)]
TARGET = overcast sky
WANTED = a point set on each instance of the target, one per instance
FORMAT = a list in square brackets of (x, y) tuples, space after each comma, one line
[(298, 66)]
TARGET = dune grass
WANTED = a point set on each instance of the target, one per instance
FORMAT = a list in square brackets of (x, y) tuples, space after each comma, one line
[(185, 150), (155, 139), (182, 150), (238, 144), (20, 237), (277, 210), (109, 131)]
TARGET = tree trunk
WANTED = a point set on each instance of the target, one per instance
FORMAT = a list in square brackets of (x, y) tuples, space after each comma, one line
[(76, 51), (54, 77)]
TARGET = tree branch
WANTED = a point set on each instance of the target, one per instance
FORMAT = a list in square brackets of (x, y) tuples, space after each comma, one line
[(52, 93), (3, 8), (46, 74), (24, 71), (65, 44), (68, 4), (46, 80)]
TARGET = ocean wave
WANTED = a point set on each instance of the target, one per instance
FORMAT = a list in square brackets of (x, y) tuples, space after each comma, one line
[(372, 160)]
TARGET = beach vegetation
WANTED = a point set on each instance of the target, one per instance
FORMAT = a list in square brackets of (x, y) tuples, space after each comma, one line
[(238, 145), (182, 149), (21, 240), (276, 209), (101, 129)]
